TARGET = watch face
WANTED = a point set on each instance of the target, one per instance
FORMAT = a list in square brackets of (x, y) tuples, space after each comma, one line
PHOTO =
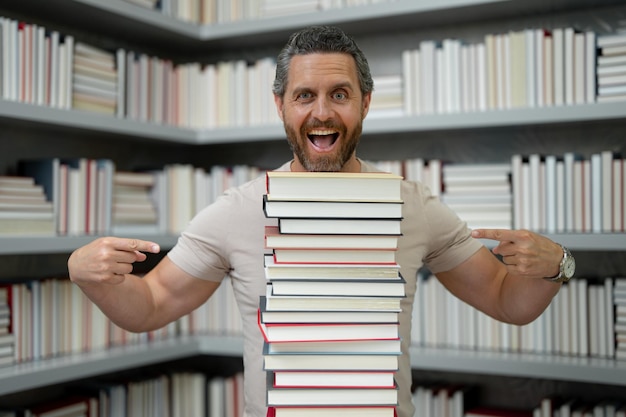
[(569, 267)]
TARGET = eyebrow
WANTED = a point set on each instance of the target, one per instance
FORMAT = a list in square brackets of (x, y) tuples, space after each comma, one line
[(342, 85)]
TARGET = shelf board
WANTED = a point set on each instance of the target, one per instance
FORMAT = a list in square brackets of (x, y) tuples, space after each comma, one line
[(77, 120), (53, 371), (154, 29), (32, 245), (16, 113), (41, 373), (553, 367)]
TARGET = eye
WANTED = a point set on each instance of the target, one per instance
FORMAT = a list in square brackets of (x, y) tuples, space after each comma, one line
[(339, 96), (305, 96)]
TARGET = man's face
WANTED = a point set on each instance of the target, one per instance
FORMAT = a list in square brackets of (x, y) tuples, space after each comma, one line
[(323, 110)]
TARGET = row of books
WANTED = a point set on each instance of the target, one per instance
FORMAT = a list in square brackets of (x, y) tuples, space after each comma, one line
[(531, 68), (82, 196), (331, 335), (52, 318), (223, 11), (174, 394), (546, 193), (518, 69), (48, 318), (586, 318), (458, 400), (569, 193)]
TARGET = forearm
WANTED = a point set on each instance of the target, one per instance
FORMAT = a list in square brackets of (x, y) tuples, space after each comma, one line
[(523, 299), (129, 304)]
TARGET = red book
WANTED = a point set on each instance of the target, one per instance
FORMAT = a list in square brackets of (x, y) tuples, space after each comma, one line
[(283, 332)]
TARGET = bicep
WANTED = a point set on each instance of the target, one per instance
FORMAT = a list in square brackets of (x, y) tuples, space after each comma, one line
[(175, 292), (477, 281)]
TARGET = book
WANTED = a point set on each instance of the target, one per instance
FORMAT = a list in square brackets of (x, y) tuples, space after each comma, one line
[(371, 346), (326, 316), (334, 256), (293, 332), (331, 396), (353, 209), (274, 239), (331, 361), (358, 411), (333, 186), (350, 287), (340, 226), (329, 303), (274, 271), (333, 379)]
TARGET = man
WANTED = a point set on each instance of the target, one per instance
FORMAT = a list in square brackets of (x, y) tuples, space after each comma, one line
[(322, 92)]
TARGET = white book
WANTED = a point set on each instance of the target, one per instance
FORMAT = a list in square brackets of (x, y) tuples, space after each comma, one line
[(467, 79), (408, 82), (548, 70), (491, 70), (568, 161), (618, 195), (607, 191), (596, 193), (441, 93), (560, 196), (595, 324), (582, 308), (531, 67), (539, 53), (481, 77), (569, 65), (550, 194), (578, 197), (517, 190), (590, 67), (573, 318), (558, 65), (68, 72), (609, 312), (579, 68), (527, 197), (536, 192)]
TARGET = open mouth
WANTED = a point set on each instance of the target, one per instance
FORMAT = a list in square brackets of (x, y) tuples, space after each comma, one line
[(323, 139)]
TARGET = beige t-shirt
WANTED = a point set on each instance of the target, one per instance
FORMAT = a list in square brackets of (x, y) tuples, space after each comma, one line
[(227, 237)]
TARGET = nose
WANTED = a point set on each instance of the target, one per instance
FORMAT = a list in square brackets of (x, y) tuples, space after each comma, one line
[(322, 109)]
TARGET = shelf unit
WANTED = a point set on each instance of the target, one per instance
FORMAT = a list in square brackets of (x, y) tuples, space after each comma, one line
[(151, 30)]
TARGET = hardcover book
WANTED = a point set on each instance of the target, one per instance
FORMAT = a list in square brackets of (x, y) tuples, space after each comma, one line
[(337, 186)]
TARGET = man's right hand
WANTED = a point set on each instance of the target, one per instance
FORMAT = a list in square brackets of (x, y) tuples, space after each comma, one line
[(107, 260)]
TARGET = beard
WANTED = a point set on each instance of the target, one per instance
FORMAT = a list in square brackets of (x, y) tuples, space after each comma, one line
[(330, 162)]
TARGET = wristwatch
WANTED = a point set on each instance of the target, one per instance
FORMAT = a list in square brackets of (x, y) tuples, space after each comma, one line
[(566, 267)]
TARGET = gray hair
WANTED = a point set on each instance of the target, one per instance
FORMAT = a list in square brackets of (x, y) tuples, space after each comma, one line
[(320, 39)]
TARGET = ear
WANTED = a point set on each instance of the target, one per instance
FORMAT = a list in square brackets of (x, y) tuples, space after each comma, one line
[(279, 105), (367, 98)]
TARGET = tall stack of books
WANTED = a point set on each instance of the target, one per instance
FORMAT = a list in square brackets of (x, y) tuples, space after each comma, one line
[(330, 313)]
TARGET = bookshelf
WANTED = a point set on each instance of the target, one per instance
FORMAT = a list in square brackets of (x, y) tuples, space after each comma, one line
[(116, 22)]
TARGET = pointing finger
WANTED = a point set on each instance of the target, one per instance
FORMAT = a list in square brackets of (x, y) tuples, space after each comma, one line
[(135, 245), (501, 235)]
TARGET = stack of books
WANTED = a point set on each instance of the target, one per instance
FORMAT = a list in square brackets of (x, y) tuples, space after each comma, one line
[(330, 314), (24, 208), (612, 68)]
